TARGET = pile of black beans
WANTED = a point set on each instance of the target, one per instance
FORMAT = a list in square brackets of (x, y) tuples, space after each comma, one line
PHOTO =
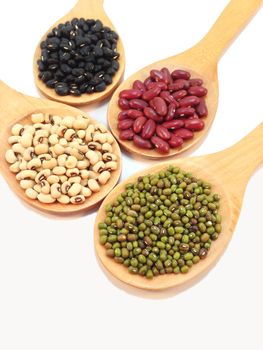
[(79, 57)]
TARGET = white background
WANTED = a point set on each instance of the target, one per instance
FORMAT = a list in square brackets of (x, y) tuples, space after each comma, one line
[(53, 293)]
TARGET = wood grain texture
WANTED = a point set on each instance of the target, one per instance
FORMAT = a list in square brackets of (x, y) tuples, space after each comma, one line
[(89, 9), (228, 172), (16, 107), (201, 61)]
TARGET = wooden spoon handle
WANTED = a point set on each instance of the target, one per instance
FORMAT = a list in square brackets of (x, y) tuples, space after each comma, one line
[(231, 22), (89, 9)]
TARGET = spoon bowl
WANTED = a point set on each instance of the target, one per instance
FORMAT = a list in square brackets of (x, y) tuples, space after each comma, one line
[(201, 61), (17, 108), (228, 172), (88, 9)]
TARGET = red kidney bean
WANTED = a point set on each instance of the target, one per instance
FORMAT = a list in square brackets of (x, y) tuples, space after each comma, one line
[(198, 91), (130, 93), (156, 75), (166, 76), (134, 113), (189, 101), (125, 124), (167, 96), (141, 143), (151, 114), (173, 124), (178, 95), (138, 103), (159, 84), (126, 134), (161, 145), (162, 132), (175, 141), (147, 81), (194, 116), (138, 85), (148, 129), (150, 94), (171, 112), (184, 111), (160, 106), (123, 103), (179, 84), (138, 124), (194, 124), (183, 133), (122, 115), (180, 74), (201, 109), (196, 82)]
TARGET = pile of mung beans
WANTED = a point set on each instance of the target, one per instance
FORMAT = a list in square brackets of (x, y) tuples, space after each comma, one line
[(162, 112), (63, 159), (163, 223)]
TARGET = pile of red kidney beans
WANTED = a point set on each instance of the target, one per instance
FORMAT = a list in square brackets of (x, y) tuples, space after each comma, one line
[(163, 111)]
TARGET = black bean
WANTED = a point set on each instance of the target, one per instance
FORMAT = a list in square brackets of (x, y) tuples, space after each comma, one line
[(51, 83), (100, 87), (45, 76), (107, 79), (62, 89)]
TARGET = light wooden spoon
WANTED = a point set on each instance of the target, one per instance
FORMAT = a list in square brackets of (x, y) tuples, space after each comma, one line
[(16, 107), (201, 61), (88, 9), (228, 171)]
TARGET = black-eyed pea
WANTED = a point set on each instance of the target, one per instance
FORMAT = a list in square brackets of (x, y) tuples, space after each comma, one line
[(63, 199), (49, 164), (99, 167), (45, 156), (104, 177), (25, 184), (83, 148), (99, 155), (26, 140), (86, 192), (38, 139), (55, 190), (71, 162), (37, 118), (59, 170), (73, 144), (77, 199), (74, 179), (45, 187), (61, 130), (63, 178), (56, 120), (89, 133), (83, 164), (29, 153), (53, 139), (23, 164), (52, 152), (18, 148), (77, 153), (45, 198), (93, 175), (42, 133), (74, 189), (33, 164), (58, 149), (37, 188), (68, 121), (100, 127), (41, 149), (10, 156), (48, 128), (84, 174), (31, 193), (17, 130), (14, 139), (93, 185), (110, 166), (47, 118), (42, 175), (84, 182), (53, 179), (99, 137), (81, 134), (92, 157), (63, 142), (106, 147), (80, 123), (15, 167), (110, 138), (72, 172), (108, 157), (62, 159), (26, 175), (94, 146), (37, 126), (54, 129), (65, 187)]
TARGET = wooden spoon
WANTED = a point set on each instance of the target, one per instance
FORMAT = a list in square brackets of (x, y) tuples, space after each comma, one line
[(88, 9), (228, 171), (16, 107), (201, 61)]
